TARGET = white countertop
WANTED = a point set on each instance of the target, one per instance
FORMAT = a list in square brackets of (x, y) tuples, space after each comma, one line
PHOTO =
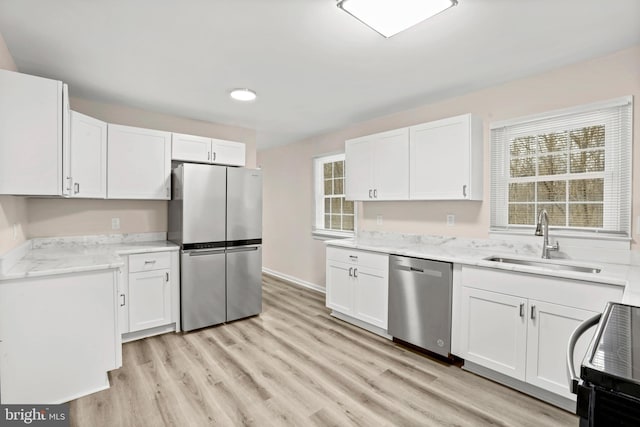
[(473, 252), (45, 257)]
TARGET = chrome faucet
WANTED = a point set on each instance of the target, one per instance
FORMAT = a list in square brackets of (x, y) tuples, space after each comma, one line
[(542, 229)]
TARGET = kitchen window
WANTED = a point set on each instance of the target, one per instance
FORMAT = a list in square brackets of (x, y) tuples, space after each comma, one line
[(334, 216), (574, 163)]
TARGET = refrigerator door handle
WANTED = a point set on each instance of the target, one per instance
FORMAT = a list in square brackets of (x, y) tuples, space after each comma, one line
[(203, 252), (242, 249)]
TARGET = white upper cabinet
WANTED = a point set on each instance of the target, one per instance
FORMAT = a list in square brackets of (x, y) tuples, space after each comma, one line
[(446, 159), (227, 152), (190, 148), (32, 115), (199, 149), (139, 163), (87, 174), (377, 166)]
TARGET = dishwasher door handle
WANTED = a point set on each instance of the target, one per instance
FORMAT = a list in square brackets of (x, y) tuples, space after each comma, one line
[(434, 273)]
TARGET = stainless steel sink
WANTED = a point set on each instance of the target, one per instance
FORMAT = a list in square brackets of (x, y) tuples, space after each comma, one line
[(545, 264)]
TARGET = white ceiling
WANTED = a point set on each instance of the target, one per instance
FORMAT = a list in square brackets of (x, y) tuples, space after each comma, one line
[(315, 68)]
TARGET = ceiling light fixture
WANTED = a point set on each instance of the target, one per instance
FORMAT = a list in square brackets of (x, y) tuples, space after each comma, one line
[(389, 17), (243, 95)]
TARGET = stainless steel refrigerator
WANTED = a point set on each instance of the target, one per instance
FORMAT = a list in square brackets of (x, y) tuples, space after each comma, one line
[(216, 216)]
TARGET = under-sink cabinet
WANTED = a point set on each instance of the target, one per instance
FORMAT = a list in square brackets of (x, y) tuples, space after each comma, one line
[(149, 295), (358, 285), (518, 325)]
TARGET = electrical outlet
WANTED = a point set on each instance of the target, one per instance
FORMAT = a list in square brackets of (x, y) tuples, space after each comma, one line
[(379, 219), (451, 220), (115, 223)]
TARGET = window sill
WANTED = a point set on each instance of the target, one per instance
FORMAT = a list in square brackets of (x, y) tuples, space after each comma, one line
[(331, 235), (576, 239)]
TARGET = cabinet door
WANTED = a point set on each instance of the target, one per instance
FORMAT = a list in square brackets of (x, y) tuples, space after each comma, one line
[(494, 331), (150, 299), (358, 169), (340, 287), (371, 296), (440, 159), (227, 152), (31, 123), (550, 326), (88, 170), (391, 165), (190, 148), (139, 163)]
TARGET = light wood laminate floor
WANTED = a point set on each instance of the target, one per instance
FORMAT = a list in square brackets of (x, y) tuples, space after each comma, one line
[(296, 365)]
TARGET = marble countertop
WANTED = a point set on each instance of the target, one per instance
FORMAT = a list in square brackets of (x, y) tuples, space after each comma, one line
[(473, 252), (46, 257)]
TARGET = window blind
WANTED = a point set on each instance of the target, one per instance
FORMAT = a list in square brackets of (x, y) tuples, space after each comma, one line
[(575, 163)]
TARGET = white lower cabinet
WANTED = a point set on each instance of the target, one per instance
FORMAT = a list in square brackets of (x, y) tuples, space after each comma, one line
[(58, 336), (494, 332), (518, 325), (149, 295), (358, 285)]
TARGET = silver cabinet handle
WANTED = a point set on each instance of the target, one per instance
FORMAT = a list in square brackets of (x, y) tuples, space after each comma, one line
[(464, 190), (350, 271), (214, 156), (533, 312), (353, 257), (68, 183), (76, 188), (168, 192), (370, 194), (375, 194), (355, 272), (150, 262), (521, 309), (573, 340), (208, 155), (167, 276), (124, 300)]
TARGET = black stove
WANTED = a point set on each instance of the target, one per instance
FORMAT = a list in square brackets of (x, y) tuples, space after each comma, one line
[(609, 387)]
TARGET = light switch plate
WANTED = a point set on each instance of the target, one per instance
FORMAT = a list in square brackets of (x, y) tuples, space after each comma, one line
[(115, 223)]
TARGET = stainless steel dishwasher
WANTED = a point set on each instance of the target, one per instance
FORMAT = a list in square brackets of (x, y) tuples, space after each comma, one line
[(420, 303)]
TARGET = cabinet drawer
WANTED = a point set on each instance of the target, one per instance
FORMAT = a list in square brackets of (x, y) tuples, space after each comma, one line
[(361, 258), (149, 261)]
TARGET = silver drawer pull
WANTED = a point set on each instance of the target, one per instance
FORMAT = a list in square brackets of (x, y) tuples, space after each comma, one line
[(150, 262), (521, 309), (353, 257)]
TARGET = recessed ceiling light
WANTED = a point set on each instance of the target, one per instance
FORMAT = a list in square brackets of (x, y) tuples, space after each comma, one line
[(243, 95), (389, 17)]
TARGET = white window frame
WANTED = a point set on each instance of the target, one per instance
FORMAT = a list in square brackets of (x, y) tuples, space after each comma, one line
[(318, 229), (500, 174)]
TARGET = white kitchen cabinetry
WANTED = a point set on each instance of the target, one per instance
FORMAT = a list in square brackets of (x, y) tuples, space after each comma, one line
[(446, 159), (87, 174), (58, 336), (377, 166), (190, 148), (33, 124), (494, 330), (518, 325), (149, 296), (139, 163), (358, 285)]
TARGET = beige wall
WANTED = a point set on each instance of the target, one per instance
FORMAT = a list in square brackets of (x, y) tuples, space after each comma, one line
[(289, 247), (62, 217), (13, 210)]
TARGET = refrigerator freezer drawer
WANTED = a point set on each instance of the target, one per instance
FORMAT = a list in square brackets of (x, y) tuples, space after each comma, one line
[(202, 288), (244, 282)]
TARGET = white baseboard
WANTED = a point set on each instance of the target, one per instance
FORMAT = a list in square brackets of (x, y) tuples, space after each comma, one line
[(294, 280)]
